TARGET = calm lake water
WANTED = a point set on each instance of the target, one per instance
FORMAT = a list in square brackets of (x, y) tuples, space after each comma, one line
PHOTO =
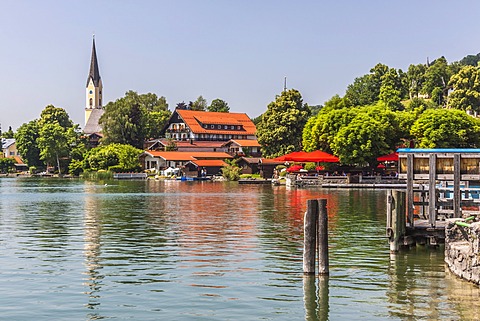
[(170, 250)]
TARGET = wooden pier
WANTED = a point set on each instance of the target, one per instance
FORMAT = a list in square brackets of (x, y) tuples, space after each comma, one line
[(440, 184)]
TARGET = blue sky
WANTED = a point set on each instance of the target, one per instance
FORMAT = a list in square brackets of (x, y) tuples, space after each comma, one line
[(239, 51)]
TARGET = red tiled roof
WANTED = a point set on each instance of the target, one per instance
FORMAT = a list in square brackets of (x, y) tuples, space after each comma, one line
[(187, 156), (246, 142), (209, 163), (18, 160), (194, 120)]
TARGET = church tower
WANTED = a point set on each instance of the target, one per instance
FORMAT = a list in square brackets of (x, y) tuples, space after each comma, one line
[(94, 86)]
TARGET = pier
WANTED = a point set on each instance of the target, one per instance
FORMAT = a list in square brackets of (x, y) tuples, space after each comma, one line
[(440, 185)]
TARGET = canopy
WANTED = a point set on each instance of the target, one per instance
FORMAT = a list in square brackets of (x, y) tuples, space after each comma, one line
[(294, 168), (289, 157), (316, 157), (393, 157)]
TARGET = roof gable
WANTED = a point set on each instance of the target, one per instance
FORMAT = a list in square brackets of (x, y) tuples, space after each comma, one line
[(196, 120)]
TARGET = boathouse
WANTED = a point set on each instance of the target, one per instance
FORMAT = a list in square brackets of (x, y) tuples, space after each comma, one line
[(440, 184)]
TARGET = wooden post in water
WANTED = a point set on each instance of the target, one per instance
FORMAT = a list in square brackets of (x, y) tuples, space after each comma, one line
[(457, 195), (432, 189), (310, 238), (323, 264), (396, 223)]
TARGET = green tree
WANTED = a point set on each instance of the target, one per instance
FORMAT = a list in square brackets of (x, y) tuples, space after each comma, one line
[(53, 144), (219, 105), (446, 128), (231, 171), (52, 114), (280, 130), (131, 119), (200, 104), (466, 89), (113, 157), (8, 134), (320, 132), (362, 91), (437, 77), (390, 92), (7, 165), (26, 142)]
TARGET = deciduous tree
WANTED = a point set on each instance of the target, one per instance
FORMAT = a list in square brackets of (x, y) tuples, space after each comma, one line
[(466, 89), (280, 130), (446, 128), (219, 105)]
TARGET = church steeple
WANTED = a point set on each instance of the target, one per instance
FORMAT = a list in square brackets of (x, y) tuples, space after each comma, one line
[(94, 86), (94, 74)]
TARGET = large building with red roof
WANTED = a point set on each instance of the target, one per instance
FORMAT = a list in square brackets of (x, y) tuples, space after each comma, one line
[(193, 125)]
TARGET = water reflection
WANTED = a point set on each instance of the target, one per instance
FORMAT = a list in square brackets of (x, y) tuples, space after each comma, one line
[(316, 300)]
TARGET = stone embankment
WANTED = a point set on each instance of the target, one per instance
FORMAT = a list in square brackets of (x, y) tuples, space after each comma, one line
[(462, 248)]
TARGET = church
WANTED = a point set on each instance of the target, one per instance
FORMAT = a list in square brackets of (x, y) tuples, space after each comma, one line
[(93, 103)]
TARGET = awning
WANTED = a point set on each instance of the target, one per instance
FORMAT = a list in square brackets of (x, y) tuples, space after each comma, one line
[(393, 157)]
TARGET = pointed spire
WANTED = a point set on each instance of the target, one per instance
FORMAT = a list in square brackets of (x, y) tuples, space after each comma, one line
[(94, 73)]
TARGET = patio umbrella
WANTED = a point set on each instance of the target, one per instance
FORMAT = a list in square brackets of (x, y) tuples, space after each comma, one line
[(289, 157), (294, 168), (317, 156), (393, 157)]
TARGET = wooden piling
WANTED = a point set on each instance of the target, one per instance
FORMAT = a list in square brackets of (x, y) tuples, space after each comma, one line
[(396, 224), (309, 239), (323, 264)]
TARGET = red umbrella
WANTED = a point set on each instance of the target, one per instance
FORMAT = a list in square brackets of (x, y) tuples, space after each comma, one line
[(294, 168), (381, 166), (289, 157), (393, 157), (317, 157)]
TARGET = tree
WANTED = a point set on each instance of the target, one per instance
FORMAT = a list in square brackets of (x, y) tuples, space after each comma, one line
[(415, 79), (130, 119), (52, 114), (320, 132), (361, 141), (200, 104), (8, 134), (7, 165), (466, 89), (53, 144), (113, 157), (280, 131), (26, 142), (437, 77), (362, 92), (390, 92), (446, 128), (231, 171), (219, 105)]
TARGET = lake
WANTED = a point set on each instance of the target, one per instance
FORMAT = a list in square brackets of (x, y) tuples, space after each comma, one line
[(171, 250)]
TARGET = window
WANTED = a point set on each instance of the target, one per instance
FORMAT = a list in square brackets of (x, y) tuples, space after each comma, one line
[(226, 127), (91, 102), (212, 126), (219, 126), (238, 127), (205, 126), (233, 127)]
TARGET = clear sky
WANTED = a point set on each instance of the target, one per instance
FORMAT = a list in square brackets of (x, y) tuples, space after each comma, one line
[(239, 51)]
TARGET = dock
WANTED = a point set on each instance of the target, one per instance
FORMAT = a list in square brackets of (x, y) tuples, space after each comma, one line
[(440, 185)]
